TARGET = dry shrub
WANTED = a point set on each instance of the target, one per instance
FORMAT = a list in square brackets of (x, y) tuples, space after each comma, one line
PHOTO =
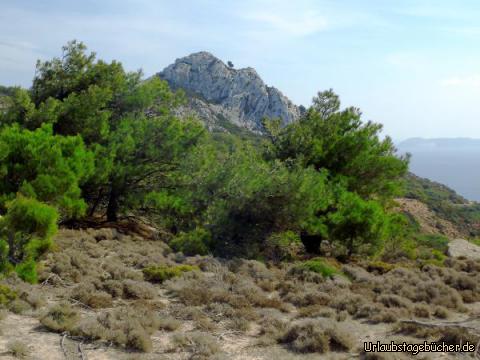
[(421, 311), (204, 323), (251, 268), (218, 311), (129, 327), (91, 329), (313, 311), (59, 318), (117, 271), (466, 265), (388, 316), (316, 337), (239, 324), (168, 323), (368, 310), (18, 306), (310, 297), (113, 287), (138, 290), (394, 301), (138, 339), (417, 330), (441, 312), (201, 346), (33, 298), (341, 316), (348, 302), (455, 336), (271, 330), (88, 295), (18, 349)]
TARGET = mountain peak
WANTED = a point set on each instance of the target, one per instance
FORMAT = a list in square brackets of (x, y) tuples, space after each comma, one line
[(218, 92)]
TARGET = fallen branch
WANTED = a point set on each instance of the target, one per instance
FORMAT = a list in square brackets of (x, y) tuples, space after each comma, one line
[(80, 350), (62, 345)]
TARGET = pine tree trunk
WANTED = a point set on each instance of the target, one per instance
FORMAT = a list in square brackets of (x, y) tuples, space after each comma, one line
[(112, 207)]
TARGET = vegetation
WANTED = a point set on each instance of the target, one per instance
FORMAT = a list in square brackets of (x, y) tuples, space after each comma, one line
[(445, 203), (162, 273)]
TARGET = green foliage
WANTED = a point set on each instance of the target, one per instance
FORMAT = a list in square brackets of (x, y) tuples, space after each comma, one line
[(146, 150), (26, 232), (27, 271), (246, 199), (7, 295), (44, 166), (437, 242), (359, 225), (195, 242), (363, 174), (162, 273), (284, 246), (445, 203), (319, 266), (126, 122)]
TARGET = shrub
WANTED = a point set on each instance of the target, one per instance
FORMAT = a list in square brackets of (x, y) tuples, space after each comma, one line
[(138, 339), (137, 290), (434, 241), (202, 346), (88, 295), (161, 273), (285, 246), (18, 349), (7, 295), (316, 337), (319, 266), (379, 267), (60, 318), (168, 324), (19, 306), (196, 242), (27, 271), (28, 228)]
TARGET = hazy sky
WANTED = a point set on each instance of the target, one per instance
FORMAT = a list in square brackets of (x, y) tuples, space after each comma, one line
[(413, 65)]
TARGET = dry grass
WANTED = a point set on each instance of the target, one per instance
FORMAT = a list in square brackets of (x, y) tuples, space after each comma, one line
[(316, 337), (201, 346), (60, 317), (18, 349), (256, 304)]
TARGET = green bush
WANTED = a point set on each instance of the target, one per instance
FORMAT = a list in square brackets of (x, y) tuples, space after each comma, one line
[(196, 242), (26, 232), (162, 273), (7, 295), (285, 246), (434, 241), (27, 271), (319, 266)]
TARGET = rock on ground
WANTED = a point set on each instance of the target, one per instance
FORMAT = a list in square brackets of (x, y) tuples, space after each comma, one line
[(463, 248)]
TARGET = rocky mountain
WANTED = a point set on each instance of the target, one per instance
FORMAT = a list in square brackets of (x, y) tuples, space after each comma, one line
[(220, 94)]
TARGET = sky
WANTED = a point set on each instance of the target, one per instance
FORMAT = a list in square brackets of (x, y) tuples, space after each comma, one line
[(412, 65)]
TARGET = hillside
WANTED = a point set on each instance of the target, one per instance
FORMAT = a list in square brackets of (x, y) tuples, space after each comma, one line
[(449, 213), (93, 301)]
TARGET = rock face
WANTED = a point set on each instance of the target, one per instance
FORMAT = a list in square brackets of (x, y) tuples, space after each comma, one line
[(463, 248), (218, 93)]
